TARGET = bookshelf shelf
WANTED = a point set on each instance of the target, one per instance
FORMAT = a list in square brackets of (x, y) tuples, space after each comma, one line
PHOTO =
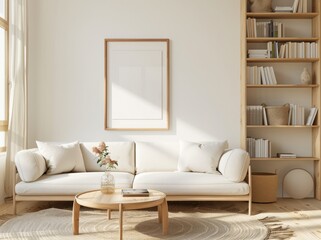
[(304, 30), (283, 86), (282, 15), (298, 60), (281, 126), (286, 159), (282, 39)]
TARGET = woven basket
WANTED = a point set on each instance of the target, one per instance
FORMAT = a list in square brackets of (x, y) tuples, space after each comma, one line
[(278, 115)]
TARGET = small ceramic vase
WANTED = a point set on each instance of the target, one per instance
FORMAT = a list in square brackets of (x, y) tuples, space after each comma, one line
[(305, 77)]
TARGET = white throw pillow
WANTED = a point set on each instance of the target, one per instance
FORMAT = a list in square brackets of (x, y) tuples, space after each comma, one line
[(62, 158), (234, 164), (30, 164), (197, 157)]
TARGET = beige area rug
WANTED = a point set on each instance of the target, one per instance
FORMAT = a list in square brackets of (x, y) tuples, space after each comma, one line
[(56, 223)]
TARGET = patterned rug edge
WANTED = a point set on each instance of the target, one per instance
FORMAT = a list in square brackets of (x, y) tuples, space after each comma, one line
[(277, 231)]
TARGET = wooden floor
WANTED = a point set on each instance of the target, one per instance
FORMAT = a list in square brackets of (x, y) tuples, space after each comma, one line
[(302, 216)]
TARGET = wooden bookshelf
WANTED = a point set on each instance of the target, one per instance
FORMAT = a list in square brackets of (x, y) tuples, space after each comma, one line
[(309, 92)]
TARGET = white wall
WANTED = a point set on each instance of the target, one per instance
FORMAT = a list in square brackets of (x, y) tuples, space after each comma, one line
[(66, 68)]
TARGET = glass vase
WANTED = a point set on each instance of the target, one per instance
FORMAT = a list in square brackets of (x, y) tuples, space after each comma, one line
[(107, 184)]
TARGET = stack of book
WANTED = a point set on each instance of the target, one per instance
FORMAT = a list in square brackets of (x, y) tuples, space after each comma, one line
[(286, 155), (311, 116), (270, 28), (300, 6), (258, 147), (283, 9), (258, 53), (260, 75)]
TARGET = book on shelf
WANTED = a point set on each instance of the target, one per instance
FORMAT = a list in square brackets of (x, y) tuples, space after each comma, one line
[(260, 28), (296, 114), (283, 9), (311, 116), (260, 75), (300, 6), (254, 115), (130, 192), (286, 50), (258, 147), (286, 155)]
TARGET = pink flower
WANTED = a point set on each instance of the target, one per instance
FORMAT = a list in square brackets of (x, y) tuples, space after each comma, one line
[(101, 146), (96, 150)]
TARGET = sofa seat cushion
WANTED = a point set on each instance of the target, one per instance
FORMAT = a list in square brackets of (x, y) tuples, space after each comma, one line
[(190, 183), (70, 183)]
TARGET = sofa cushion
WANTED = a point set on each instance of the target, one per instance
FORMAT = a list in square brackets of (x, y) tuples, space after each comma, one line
[(123, 152), (30, 164), (62, 158), (70, 183), (198, 157), (190, 183), (234, 164), (156, 156)]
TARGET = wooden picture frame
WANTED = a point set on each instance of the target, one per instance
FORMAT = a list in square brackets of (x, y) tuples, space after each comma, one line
[(136, 84)]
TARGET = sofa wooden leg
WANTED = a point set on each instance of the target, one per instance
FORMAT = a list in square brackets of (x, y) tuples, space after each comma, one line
[(250, 207)]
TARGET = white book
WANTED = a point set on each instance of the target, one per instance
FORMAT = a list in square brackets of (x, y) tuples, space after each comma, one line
[(304, 6), (265, 120), (273, 76), (295, 6), (264, 82), (300, 7), (268, 75), (311, 117)]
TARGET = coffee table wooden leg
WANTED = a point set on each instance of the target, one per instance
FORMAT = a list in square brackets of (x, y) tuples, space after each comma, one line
[(165, 217), (120, 221), (75, 217), (159, 214), (108, 214)]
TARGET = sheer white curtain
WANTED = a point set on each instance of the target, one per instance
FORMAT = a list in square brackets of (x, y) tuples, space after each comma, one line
[(17, 132)]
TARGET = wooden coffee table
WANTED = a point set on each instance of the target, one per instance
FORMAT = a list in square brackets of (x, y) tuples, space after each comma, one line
[(115, 201)]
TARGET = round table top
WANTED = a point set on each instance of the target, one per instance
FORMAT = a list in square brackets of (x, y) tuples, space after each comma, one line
[(99, 200)]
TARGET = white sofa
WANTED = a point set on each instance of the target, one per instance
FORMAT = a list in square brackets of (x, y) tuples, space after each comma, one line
[(151, 165)]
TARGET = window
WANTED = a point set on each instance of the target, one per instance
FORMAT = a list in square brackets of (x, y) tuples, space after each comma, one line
[(3, 73)]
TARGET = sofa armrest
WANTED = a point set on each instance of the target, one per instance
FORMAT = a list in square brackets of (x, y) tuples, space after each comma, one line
[(30, 164), (234, 164)]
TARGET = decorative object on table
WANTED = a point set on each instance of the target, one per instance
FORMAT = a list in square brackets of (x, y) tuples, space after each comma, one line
[(298, 184), (305, 77), (130, 192), (260, 5), (107, 184), (137, 84)]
